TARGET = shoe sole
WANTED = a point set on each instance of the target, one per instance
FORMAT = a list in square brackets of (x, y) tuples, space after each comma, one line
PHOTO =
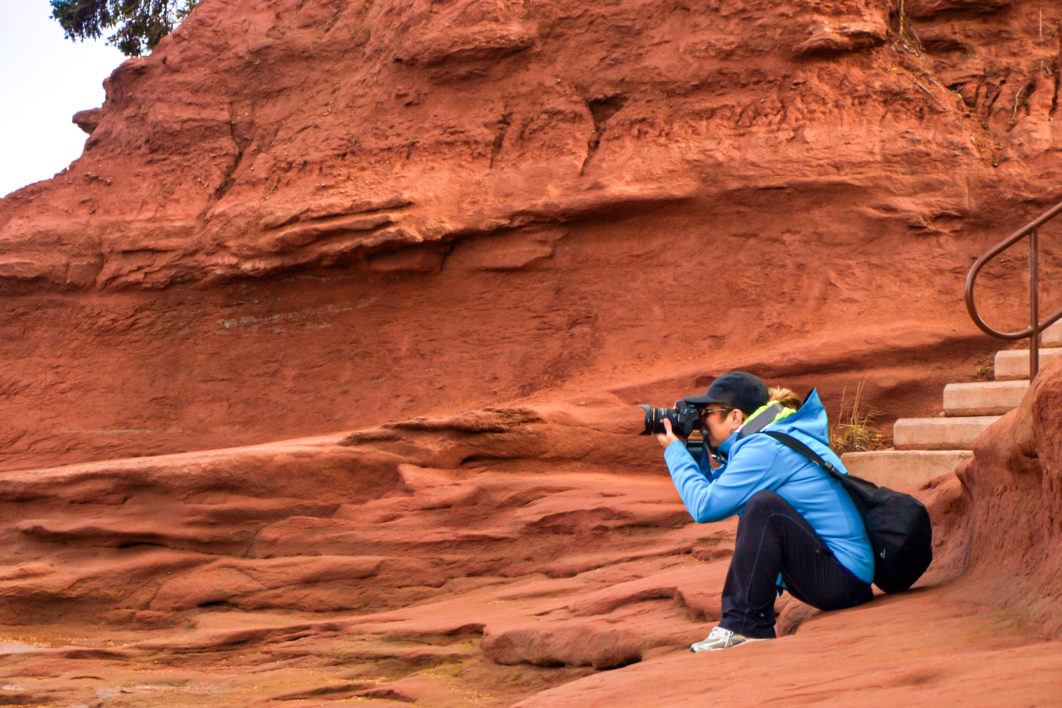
[(749, 640)]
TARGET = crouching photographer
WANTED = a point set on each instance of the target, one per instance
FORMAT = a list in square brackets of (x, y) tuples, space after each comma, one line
[(799, 529)]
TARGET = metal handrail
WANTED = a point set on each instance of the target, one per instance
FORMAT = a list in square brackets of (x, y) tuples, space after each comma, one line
[(1036, 326)]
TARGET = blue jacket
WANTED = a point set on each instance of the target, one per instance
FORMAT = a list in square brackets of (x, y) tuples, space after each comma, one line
[(758, 462)]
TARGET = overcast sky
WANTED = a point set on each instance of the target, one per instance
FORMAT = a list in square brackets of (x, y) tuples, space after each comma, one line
[(44, 80)]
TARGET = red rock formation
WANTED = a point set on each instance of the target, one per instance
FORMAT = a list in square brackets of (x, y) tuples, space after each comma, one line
[(492, 557), (1007, 501), (289, 203), (299, 217)]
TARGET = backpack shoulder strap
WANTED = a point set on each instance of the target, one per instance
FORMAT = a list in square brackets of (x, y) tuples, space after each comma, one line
[(761, 420), (795, 444), (861, 490)]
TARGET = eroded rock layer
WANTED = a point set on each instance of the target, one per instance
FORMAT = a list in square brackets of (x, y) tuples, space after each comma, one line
[(298, 217), (497, 556)]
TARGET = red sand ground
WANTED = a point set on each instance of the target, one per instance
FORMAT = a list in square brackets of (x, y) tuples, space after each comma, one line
[(502, 556), (514, 220)]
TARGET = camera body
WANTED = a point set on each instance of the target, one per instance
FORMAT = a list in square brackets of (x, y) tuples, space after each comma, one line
[(684, 417)]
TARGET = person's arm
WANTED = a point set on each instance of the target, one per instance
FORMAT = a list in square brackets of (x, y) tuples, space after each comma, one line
[(704, 461), (745, 473)]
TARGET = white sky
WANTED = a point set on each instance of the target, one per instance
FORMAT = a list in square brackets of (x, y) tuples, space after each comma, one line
[(44, 80)]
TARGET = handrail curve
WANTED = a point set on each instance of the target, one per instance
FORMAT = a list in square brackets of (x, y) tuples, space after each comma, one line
[(1036, 325)]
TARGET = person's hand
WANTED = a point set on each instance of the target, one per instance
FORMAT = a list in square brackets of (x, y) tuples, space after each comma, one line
[(668, 436)]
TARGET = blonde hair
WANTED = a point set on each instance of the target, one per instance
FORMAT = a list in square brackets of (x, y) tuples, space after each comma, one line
[(784, 396)]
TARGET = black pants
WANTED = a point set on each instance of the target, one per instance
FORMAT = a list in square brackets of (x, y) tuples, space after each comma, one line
[(774, 538)]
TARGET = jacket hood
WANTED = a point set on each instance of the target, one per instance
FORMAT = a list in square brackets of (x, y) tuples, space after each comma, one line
[(810, 419)]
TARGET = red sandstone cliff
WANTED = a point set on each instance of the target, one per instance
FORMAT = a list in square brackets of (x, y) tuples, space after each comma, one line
[(304, 217), (299, 217)]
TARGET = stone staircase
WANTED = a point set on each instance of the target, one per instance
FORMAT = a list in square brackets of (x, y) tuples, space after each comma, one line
[(927, 447)]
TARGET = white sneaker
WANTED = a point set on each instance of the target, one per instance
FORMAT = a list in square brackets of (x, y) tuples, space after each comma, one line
[(720, 638)]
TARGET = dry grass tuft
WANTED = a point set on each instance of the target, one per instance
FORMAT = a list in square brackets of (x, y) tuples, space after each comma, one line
[(855, 429)]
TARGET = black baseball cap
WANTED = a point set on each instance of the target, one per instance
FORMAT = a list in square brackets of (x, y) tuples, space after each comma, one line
[(737, 389)]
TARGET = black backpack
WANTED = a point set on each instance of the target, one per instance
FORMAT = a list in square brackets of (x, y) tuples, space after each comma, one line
[(898, 524)]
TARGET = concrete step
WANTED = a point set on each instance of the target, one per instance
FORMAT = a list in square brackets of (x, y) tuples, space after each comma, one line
[(983, 398), (1014, 363), (939, 433), (1052, 336), (903, 468)]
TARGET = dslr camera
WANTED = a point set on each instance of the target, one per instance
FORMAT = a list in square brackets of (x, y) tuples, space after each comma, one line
[(684, 417)]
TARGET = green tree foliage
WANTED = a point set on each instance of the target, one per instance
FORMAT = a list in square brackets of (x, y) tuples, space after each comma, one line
[(140, 23)]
